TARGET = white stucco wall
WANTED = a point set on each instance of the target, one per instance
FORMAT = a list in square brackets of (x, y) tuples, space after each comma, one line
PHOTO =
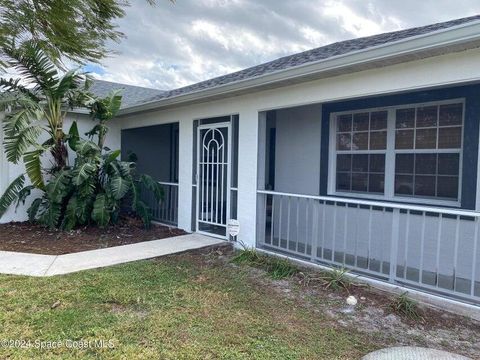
[(426, 73), (437, 71)]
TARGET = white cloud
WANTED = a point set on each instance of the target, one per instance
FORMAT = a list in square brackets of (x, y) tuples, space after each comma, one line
[(350, 21), (170, 46)]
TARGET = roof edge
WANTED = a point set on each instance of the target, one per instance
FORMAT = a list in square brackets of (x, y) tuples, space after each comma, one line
[(454, 35)]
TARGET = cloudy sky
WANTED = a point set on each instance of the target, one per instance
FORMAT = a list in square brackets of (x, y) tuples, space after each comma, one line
[(173, 45)]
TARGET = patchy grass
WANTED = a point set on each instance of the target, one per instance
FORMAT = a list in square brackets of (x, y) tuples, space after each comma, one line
[(203, 305), (322, 294), (190, 306)]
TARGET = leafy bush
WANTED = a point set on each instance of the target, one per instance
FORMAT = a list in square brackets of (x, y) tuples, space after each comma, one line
[(92, 190), (98, 184)]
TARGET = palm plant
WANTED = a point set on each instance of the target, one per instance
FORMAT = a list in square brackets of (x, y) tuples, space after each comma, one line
[(36, 106), (104, 110), (94, 188)]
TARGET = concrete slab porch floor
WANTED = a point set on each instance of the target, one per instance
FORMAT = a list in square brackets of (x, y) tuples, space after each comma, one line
[(48, 265)]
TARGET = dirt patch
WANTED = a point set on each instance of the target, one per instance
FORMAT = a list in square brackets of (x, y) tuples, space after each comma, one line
[(372, 316), (32, 238)]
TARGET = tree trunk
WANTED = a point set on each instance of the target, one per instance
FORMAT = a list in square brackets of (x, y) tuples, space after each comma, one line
[(102, 134), (60, 155), (59, 150)]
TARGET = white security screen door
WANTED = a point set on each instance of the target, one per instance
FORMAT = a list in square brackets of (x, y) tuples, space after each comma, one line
[(213, 174)]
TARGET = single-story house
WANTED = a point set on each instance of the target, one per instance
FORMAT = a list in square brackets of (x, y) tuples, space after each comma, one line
[(362, 153)]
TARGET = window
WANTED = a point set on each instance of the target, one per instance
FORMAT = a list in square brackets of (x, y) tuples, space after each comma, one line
[(423, 144), (428, 141), (361, 147)]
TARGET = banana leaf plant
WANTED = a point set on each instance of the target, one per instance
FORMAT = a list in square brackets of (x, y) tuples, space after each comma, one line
[(103, 110), (35, 106), (93, 191), (93, 188)]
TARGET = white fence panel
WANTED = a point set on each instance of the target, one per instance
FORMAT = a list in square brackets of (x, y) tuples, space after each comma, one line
[(164, 211), (428, 248)]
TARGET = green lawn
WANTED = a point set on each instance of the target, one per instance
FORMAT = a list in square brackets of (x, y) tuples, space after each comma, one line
[(179, 307)]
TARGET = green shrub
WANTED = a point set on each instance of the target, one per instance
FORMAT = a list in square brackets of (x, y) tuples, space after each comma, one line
[(337, 279), (277, 268), (96, 187), (247, 256), (405, 306), (94, 190)]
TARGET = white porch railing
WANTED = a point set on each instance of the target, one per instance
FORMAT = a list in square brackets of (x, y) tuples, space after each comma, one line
[(435, 249), (166, 210)]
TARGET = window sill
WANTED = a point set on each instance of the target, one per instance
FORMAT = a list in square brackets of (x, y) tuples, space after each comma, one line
[(398, 199)]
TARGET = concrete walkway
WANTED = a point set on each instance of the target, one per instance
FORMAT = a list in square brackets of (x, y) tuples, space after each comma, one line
[(412, 353), (48, 265)]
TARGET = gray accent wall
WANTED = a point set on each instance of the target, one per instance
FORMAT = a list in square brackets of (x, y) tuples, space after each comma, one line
[(297, 150), (156, 148), (470, 132)]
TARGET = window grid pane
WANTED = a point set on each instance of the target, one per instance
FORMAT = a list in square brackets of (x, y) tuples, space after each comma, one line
[(427, 175), (356, 135), (427, 151), (428, 128), (361, 173)]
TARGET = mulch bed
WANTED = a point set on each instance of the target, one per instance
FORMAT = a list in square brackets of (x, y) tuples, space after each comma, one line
[(33, 238)]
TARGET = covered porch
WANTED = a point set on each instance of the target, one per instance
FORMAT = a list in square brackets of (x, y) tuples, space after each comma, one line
[(155, 150), (385, 186)]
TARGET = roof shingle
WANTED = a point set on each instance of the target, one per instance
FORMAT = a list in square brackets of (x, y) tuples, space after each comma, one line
[(317, 54), (131, 95)]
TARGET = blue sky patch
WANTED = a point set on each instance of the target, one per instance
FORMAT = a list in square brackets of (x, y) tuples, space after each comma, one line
[(94, 68)]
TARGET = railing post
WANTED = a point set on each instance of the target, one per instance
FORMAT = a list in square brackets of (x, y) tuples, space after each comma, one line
[(261, 218), (314, 235), (394, 244), (166, 210), (474, 262)]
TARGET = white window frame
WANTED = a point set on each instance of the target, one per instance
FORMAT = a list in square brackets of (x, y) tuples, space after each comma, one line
[(390, 152)]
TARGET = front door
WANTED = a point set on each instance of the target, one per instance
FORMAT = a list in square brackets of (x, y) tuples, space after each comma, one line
[(213, 173)]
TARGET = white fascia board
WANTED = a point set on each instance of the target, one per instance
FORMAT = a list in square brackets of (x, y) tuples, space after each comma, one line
[(430, 41)]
